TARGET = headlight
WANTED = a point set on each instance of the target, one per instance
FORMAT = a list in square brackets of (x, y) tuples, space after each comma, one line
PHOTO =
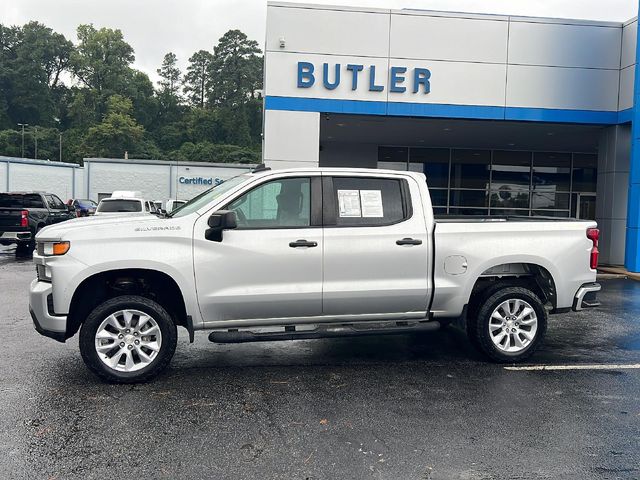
[(53, 248)]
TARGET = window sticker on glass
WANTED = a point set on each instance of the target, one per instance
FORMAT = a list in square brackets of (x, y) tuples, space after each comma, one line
[(349, 203), (371, 201)]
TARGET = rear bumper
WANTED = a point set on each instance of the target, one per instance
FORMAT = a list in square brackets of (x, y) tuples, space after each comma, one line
[(44, 319), (586, 296), (7, 238)]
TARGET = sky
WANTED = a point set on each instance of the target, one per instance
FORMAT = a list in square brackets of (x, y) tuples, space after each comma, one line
[(155, 27)]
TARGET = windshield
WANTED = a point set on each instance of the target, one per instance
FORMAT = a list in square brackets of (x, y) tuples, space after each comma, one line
[(196, 203), (112, 206)]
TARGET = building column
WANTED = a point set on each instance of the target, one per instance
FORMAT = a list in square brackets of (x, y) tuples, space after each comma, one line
[(291, 139), (614, 149), (632, 251)]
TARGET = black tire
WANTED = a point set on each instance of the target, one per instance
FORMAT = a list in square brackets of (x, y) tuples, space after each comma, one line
[(474, 307), (478, 323), (23, 249), (133, 302)]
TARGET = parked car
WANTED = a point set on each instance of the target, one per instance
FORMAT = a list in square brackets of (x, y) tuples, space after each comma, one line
[(125, 206), (306, 253), (83, 207), (23, 214)]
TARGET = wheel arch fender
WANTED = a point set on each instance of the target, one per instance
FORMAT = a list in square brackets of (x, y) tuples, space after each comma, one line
[(93, 279), (547, 269)]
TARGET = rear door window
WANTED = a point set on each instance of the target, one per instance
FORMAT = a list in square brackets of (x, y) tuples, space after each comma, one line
[(367, 202)]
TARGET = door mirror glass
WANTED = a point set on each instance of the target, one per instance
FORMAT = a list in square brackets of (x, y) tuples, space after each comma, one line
[(219, 221)]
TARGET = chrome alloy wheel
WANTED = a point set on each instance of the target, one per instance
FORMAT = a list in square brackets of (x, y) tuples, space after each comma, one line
[(128, 340), (513, 325)]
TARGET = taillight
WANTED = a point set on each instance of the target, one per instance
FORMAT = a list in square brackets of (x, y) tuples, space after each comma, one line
[(593, 234), (24, 220)]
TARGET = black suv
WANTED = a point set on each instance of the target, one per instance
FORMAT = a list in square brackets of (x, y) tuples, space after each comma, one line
[(23, 214)]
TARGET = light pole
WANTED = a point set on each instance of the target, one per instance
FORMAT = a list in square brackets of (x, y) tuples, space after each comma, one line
[(60, 147), (23, 125), (35, 136)]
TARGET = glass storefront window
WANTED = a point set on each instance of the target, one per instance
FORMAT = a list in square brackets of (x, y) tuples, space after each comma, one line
[(470, 168), (551, 213), (585, 172), (556, 201), (509, 211), (468, 198), (438, 196), (433, 162), (469, 211), (508, 197), (552, 171), (510, 169), (440, 210), (502, 182)]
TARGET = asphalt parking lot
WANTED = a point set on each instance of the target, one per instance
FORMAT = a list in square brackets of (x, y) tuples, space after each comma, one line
[(401, 407)]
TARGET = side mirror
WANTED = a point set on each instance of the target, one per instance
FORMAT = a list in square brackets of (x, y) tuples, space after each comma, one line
[(219, 221)]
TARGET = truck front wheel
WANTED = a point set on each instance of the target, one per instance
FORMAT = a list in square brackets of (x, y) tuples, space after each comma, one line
[(128, 339), (509, 325)]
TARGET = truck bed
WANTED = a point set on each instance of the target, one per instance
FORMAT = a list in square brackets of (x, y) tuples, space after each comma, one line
[(499, 218)]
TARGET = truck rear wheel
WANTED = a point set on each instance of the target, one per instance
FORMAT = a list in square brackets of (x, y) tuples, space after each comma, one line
[(128, 339), (509, 325)]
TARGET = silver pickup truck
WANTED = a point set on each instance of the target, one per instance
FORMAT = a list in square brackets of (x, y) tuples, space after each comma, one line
[(305, 253)]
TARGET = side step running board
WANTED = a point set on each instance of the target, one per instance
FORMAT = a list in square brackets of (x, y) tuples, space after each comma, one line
[(325, 331)]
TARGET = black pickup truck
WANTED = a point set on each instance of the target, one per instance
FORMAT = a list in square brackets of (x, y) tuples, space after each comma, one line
[(23, 214)]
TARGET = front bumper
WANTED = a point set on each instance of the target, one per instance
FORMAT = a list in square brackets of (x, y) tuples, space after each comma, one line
[(586, 296), (45, 321)]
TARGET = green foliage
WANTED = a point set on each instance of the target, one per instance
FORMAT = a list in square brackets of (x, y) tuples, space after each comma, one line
[(235, 70), (117, 133), (215, 152), (169, 75), (197, 82), (10, 144), (102, 59), (212, 113)]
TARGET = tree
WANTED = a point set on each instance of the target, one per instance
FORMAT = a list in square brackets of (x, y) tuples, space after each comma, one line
[(170, 75), (102, 59), (117, 133), (142, 94), (48, 49), (235, 71), (218, 153), (197, 83), (32, 58)]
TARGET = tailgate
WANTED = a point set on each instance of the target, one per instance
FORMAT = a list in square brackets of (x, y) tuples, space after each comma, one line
[(10, 217)]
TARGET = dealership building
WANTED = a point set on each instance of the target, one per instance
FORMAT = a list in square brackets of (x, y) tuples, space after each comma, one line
[(504, 115)]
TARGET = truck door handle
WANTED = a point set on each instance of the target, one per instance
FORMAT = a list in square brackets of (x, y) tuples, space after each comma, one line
[(302, 243), (409, 241)]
